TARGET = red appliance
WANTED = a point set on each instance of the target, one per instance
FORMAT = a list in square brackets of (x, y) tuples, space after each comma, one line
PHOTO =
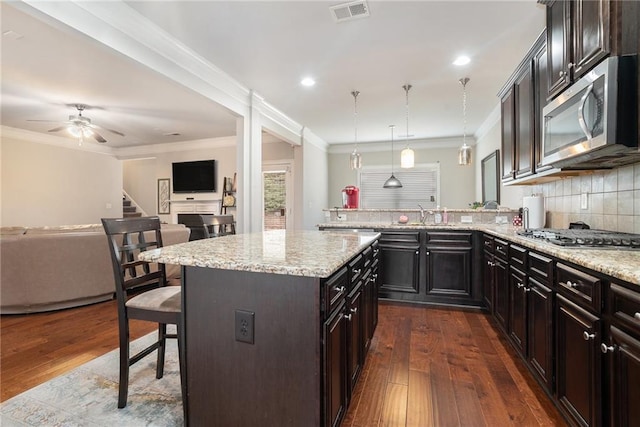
[(350, 197)]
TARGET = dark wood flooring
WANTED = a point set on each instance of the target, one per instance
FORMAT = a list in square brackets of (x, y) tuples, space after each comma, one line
[(426, 367)]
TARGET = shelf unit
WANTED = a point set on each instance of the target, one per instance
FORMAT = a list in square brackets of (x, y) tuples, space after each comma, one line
[(228, 196)]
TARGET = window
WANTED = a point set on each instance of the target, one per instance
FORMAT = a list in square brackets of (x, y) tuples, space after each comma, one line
[(419, 185)]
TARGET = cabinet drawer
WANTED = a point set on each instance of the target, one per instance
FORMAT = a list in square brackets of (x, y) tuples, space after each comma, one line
[(625, 306), (367, 254), (518, 257), (487, 243), (335, 288), (399, 237), (356, 268), (500, 248), (541, 267), (448, 238), (582, 288)]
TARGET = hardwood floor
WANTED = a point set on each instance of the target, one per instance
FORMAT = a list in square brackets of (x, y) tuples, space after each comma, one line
[(445, 367), (426, 367)]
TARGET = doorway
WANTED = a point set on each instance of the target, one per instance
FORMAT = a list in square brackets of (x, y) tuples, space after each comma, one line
[(276, 188)]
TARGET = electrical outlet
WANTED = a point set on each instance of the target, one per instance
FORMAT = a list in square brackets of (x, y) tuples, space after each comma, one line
[(244, 326), (584, 201)]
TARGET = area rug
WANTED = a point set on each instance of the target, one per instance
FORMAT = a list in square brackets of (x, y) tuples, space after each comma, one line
[(88, 395)]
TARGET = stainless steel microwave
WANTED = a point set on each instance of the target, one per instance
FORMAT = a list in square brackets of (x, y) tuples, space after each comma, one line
[(594, 123)]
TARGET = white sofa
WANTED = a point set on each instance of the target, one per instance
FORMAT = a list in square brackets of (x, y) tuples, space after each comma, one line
[(50, 268)]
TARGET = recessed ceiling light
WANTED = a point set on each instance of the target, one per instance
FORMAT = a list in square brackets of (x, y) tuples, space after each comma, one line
[(308, 81), (462, 60)]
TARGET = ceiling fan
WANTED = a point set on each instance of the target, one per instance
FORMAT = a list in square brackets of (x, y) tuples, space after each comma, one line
[(81, 127)]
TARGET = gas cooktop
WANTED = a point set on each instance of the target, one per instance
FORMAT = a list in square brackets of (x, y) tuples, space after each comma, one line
[(576, 238)]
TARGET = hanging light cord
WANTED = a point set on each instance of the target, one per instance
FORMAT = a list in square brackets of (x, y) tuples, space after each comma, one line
[(406, 89), (392, 127), (464, 82), (355, 94)]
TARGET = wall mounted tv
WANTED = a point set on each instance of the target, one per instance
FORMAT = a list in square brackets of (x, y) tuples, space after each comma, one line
[(194, 177)]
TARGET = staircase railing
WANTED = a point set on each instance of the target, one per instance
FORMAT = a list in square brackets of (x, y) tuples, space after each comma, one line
[(133, 203)]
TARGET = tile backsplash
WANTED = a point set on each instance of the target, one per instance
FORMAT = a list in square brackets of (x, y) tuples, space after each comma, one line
[(612, 199)]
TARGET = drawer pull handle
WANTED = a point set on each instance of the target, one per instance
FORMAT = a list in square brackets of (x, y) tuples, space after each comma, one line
[(499, 248), (374, 277), (570, 285), (636, 316), (587, 336), (357, 270), (527, 289), (520, 285), (354, 310), (340, 289), (606, 349), (348, 317)]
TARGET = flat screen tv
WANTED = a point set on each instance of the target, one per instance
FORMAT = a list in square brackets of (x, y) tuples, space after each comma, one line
[(194, 177)]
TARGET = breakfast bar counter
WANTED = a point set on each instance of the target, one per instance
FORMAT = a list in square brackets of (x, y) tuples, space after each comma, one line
[(254, 310)]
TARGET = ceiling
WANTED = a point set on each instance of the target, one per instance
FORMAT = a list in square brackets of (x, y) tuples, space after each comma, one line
[(269, 46)]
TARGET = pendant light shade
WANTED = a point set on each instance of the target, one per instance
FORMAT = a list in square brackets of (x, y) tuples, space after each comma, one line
[(407, 156), (355, 159), (464, 153), (392, 182)]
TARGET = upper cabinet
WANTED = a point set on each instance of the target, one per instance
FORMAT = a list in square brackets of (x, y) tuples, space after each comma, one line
[(580, 33)]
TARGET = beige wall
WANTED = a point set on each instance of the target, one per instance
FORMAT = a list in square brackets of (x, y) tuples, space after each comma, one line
[(457, 183), (48, 185)]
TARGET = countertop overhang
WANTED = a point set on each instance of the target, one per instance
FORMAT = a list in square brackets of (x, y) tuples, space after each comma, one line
[(299, 253), (617, 263)]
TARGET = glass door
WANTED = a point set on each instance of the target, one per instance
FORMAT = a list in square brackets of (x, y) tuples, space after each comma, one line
[(276, 203)]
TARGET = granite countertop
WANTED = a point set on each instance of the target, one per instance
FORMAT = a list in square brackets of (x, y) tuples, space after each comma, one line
[(297, 253), (620, 264)]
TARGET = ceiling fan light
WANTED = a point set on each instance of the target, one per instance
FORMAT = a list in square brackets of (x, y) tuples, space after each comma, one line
[(392, 182), (75, 131), (406, 158)]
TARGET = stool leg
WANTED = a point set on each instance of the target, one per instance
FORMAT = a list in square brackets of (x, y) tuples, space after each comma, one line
[(123, 385), (162, 341)]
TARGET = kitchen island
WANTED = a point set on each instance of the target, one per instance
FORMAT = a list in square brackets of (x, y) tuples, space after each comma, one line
[(272, 324)]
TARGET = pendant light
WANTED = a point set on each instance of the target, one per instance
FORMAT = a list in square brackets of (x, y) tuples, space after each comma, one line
[(392, 182), (464, 154), (406, 156), (355, 159)]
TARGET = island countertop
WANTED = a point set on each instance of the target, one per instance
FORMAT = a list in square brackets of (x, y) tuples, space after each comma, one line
[(299, 253)]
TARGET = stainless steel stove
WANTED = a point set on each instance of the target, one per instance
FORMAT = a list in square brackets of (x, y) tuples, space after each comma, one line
[(577, 238)]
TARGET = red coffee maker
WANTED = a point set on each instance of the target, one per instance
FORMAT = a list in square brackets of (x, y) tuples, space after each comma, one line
[(350, 197)]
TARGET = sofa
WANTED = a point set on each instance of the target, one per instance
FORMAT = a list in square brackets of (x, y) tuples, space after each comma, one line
[(51, 268)]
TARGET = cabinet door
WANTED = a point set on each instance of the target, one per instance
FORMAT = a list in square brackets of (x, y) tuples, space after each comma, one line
[(488, 281), (518, 310), (591, 33), (501, 301), (449, 271), (558, 46), (335, 368), (524, 122), (541, 87), (375, 284), (540, 332), (355, 339), (401, 269), (578, 364), (367, 318), (625, 378), (508, 135)]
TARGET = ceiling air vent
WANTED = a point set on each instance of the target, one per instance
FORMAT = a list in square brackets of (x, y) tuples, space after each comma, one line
[(348, 11)]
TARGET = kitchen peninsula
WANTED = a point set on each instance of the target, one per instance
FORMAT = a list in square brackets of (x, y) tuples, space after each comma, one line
[(276, 324)]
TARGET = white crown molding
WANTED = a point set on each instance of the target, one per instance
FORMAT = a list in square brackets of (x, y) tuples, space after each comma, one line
[(129, 153), (313, 139), (489, 122), (276, 122), (423, 144), (7, 132)]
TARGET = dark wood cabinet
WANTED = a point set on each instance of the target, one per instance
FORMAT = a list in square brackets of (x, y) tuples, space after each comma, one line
[(448, 256), (624, 362), (355, 337), (518, 310), (558, 46), (488, 273), (540, 332), (501, 284), (578, 365), (591, 34), (520, 107), (400, 257), (334, 336)]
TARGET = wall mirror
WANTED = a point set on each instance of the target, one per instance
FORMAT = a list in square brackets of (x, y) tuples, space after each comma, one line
[(491, 177)]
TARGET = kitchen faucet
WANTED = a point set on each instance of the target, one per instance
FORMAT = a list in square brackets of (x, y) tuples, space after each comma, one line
[(423, 215)]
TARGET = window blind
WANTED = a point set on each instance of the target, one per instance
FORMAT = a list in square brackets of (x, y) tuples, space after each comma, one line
[(419, 185)]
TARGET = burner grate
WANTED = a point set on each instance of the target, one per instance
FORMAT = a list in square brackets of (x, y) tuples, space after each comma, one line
[(587, 238)]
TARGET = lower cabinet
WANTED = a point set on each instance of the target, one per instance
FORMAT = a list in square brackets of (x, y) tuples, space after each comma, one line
[(624, 368), (334, 336), (355, 337), (578, 365), (540, 332), (501, 296), (518, 310), (435, 266)]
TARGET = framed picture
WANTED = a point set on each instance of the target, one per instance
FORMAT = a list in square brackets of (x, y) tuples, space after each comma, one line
[(164, 190)]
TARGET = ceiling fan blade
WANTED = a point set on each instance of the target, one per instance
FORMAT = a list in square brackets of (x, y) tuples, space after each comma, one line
[(98, 137), (47, 121), (115, 131), (94, 126), (58, 129)]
